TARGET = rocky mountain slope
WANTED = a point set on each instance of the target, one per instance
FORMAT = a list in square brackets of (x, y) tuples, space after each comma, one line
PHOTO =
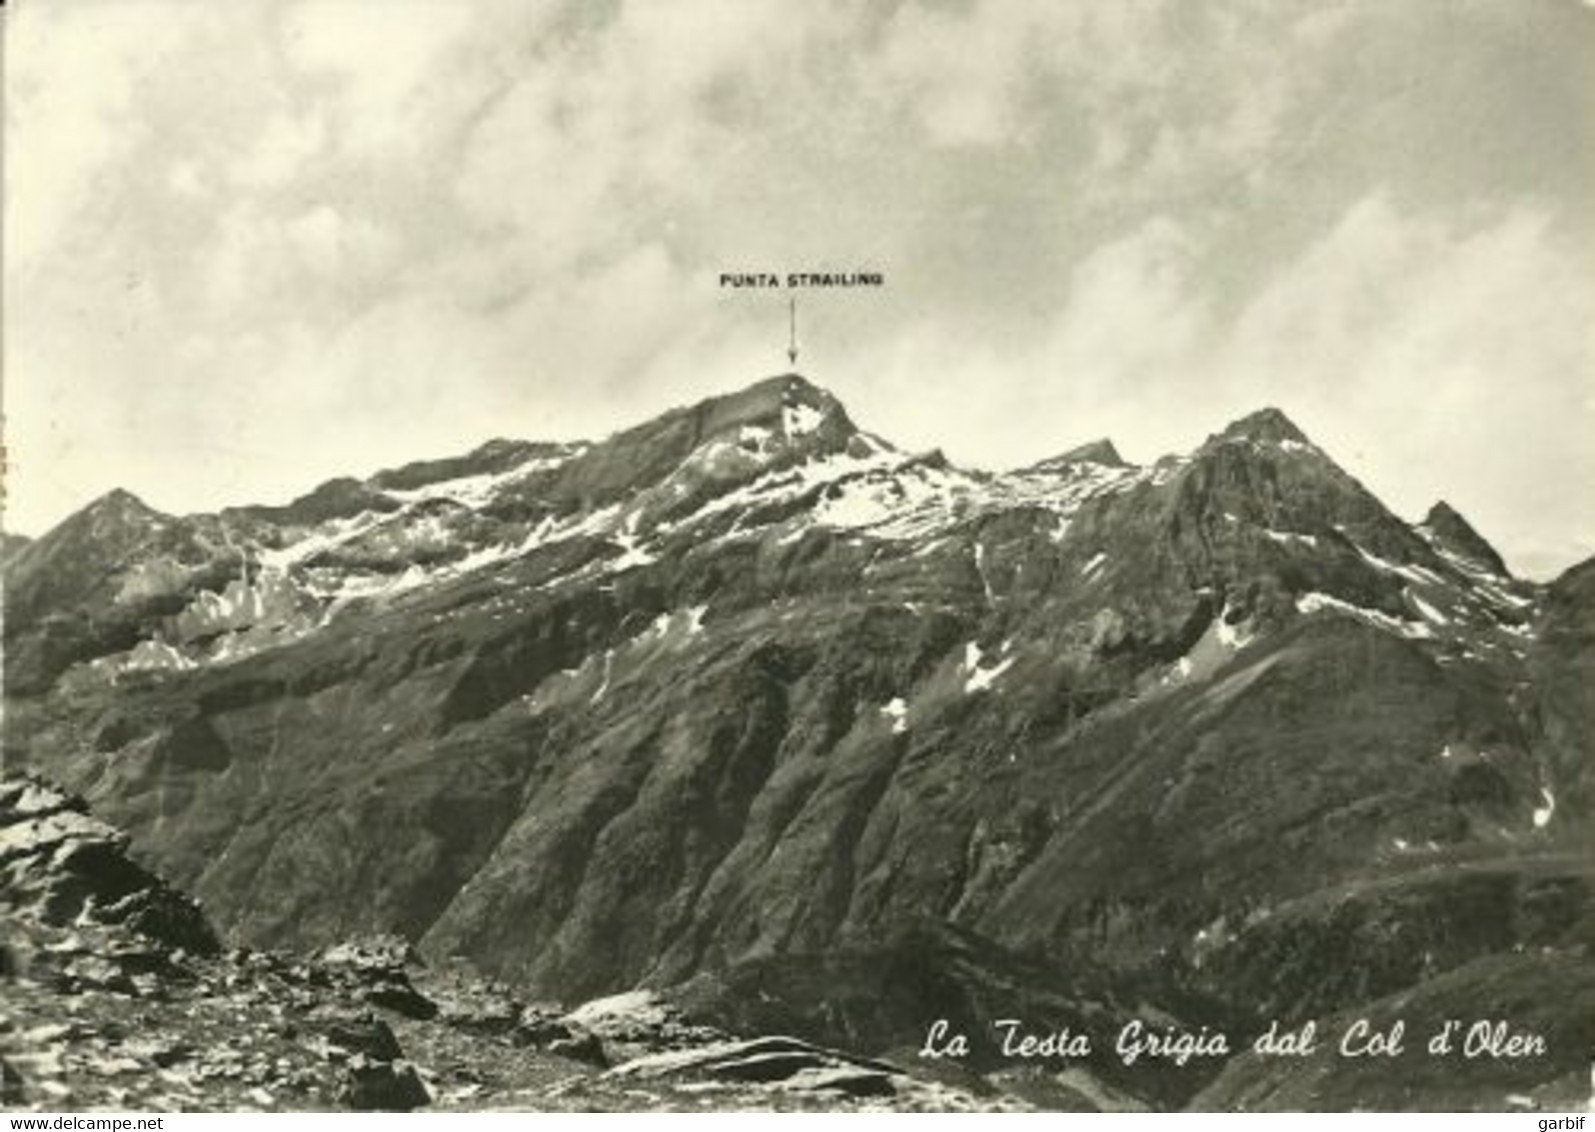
[(119, 996), (746, 689)]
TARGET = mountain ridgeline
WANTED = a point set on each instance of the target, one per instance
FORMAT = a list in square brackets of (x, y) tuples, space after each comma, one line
[(747, 705)]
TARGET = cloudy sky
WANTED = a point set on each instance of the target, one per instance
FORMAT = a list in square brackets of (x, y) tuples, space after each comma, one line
[(253, 245)]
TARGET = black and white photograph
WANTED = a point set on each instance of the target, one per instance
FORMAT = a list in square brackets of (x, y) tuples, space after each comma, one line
[(974, 556)]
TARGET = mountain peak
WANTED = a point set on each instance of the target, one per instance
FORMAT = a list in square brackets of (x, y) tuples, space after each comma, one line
[(715, 442), (117, 508), (1269, 425), (1450, 531), (120, 501), (788, 402), (795, 384), (1099, 451), (785, 389)]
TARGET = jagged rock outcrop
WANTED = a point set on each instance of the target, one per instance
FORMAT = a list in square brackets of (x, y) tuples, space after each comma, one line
[(1449, 531), (63, 866), (1099, 451)]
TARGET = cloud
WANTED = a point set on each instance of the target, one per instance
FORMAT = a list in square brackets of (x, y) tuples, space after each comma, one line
[(962, 72), (69, 131), (622, 122), (286, 143), (263, 264), (359, 233), (379, 63)]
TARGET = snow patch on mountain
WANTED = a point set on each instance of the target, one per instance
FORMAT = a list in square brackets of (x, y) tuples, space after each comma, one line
[(1315, 602), (799, 419), (757, 439), (905, 499), (603, 683), (1429, 612), (145, 656), (327, 536), (980, 568), (1232, 636), (1212, 650), (1544, 813), (1167, 468), (631, 554), (979, 678), (481, 488), (875, 490), (675, 626), (1413, 573)]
